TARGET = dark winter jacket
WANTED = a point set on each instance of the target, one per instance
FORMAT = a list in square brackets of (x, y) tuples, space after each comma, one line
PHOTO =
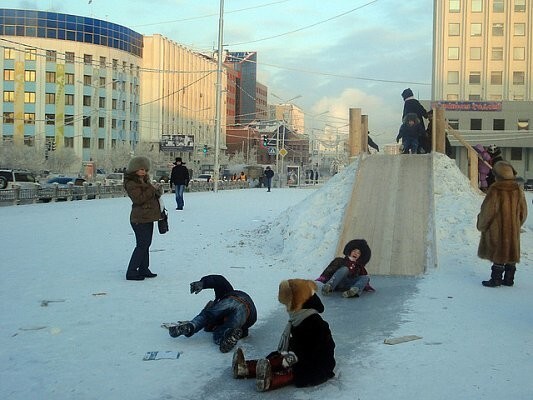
[(180, 175), (503, 212), (359, 266), (145, 199), (313, 344), (411, 131), (412, 105), (223, 290), (269, 173)]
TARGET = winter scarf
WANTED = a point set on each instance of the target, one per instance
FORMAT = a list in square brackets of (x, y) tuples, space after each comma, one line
[(295, 319)]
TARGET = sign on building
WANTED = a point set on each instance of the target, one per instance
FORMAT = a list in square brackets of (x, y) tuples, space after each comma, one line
[(184, 143)]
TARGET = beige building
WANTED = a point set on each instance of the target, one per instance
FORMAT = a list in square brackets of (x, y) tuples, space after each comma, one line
[(483, 75), (291, 114)]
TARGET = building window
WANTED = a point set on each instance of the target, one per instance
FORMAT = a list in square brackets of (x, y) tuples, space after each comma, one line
[(520, 5), (498, 124), (453, 77), (101, 122), (30, 54), (103, 62), (474, 97), (497, 29), (50, 119), (114, 123), (115, 85), (69, 79), (86, 100), (29, 97), (474, 78), (69, 142), (86, 143), (453, 53), (102, 81), (69, 57), (9, 96), (475, 29), (69, 99), (101, 102), (454, 123), (86, 120), (519, 53), (115, 64), (496, 78), (518, 78), (9, 74), (497, 54), (475, 124), (87, 79), (101, 143), (475, 53), (495, 97), (69, 120), (454, 29), (29, 76), (523, 124), (452, 97), (9, 118), (477, 5), (516, 153), (497, 6), (87, 59), (51, 55), (454, 6), (50, 77), (114, 104), (520, 29), (9, 54), (29, 118), (50, 98)]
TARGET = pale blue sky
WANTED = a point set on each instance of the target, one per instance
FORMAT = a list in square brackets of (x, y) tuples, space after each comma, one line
[(336, 54)]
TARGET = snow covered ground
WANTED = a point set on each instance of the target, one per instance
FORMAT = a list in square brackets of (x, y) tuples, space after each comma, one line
[(73, 328)]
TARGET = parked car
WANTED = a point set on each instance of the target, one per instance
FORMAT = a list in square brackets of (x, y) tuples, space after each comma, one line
[(162, 175), (116, 178), (63, 183), (24, 179), (528, 185), (202, 178)]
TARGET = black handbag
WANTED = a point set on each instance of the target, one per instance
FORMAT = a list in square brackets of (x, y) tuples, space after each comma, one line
[(162, 224)]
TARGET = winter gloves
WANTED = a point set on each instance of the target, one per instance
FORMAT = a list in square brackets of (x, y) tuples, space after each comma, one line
[(289, 359), (196, 287)]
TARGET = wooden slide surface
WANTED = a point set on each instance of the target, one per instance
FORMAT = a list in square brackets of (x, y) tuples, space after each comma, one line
[(392, 208)]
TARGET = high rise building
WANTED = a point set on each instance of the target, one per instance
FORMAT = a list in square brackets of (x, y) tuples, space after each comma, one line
[(483, 75), (245, 63)]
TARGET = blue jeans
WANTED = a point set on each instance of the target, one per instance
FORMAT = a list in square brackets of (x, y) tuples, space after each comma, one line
[(269, 183), (340, 280), (179, 196), (140, 258), (232, 312)]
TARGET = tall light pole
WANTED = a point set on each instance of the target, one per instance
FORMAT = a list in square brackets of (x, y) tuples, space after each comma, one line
[(219, 95)]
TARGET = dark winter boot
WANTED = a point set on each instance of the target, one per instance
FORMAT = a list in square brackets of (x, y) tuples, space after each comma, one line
[(495, 276), (508, 278), (183, 328), (230, 339), (241, 367)]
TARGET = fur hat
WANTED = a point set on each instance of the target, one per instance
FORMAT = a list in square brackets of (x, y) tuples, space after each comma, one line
[(504, 171), (407, 93), (360, 244), (137, 163), (295, 292)]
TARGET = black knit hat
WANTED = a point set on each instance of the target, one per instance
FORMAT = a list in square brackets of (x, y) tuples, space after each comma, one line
[(407, 93), (360, 244)]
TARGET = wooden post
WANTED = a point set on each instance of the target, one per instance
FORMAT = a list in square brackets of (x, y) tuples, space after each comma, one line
[(364, 133), (439, 127), (354, 139)]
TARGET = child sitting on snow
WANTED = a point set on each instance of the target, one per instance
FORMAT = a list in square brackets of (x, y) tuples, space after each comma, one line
[(305, 355), (348, 274)]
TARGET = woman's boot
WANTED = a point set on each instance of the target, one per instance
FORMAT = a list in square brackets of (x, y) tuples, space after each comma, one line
[(495, 277), (241, 367), (508, 278), (268, 380)]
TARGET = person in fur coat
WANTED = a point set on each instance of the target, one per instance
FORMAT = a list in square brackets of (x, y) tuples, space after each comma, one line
[(502, 213), (305, 355), (348, 274), (145, 210)]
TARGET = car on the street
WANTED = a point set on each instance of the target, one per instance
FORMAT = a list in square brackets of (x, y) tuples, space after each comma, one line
[(115, 178), (21, 178), (202, 178), (528, 185), (63, 185), (162, 175)]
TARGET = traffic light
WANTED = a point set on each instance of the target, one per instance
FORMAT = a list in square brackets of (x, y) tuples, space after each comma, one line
[(53, 146), (205, 149), (265, 140)]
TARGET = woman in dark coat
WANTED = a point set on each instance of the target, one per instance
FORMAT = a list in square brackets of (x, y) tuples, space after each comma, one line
[(503, 212), (305, 355), (145, 209)]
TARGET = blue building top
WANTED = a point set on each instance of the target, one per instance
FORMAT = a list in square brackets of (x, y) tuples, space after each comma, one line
[(52, 25)]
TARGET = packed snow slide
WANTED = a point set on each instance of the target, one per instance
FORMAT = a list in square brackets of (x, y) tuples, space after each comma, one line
[(392, 208)]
